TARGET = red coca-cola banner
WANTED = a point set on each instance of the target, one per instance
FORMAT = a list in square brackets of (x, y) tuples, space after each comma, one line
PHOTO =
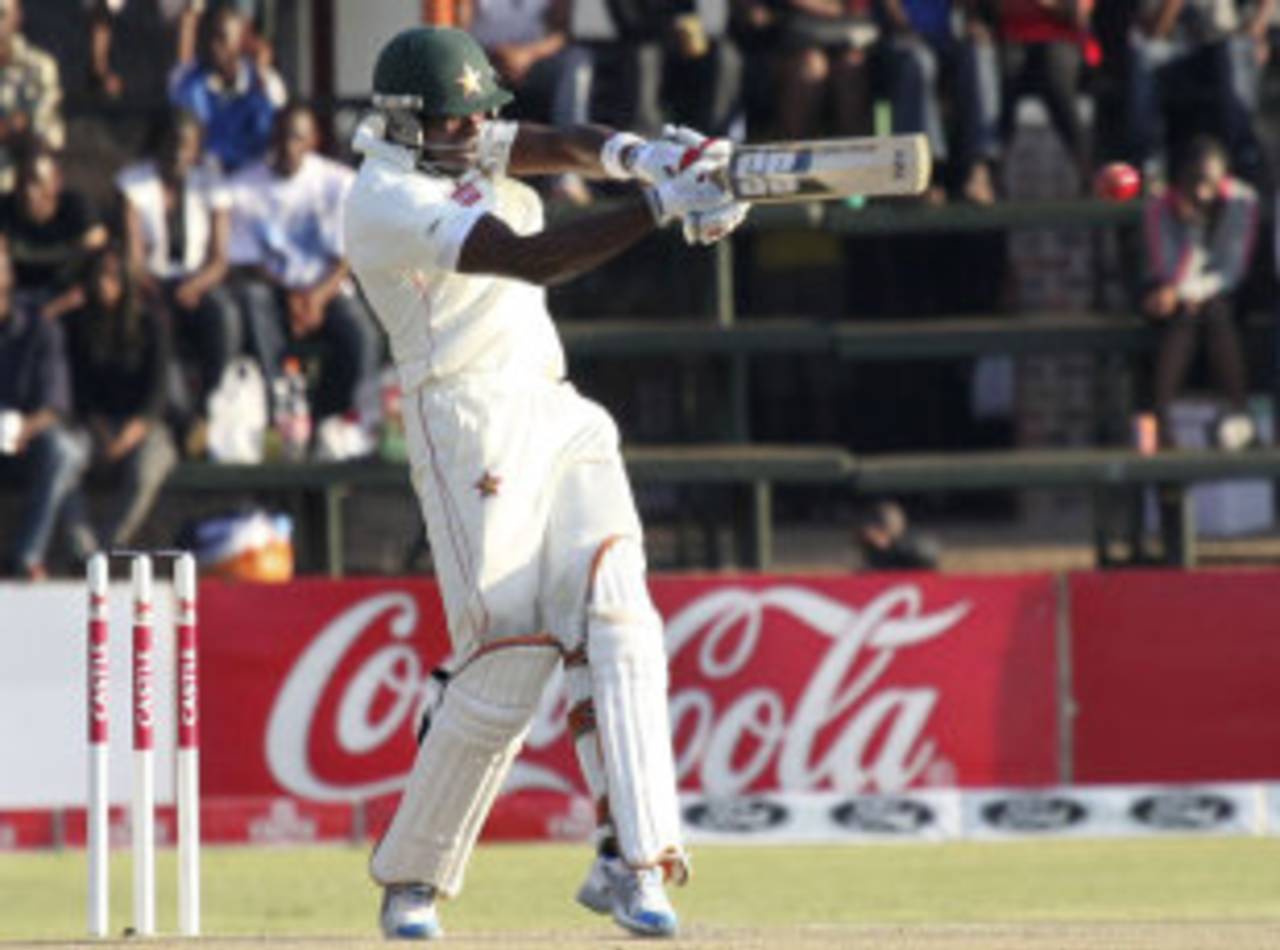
[(846, 683), (1177, 675)]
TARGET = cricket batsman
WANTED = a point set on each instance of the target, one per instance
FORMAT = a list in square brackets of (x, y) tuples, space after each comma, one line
[(536, 538)]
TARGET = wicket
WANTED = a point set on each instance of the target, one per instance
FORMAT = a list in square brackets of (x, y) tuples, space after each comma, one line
[(187, 766)]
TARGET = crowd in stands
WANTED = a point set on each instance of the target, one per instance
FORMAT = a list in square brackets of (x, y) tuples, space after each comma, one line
[(117, 323)]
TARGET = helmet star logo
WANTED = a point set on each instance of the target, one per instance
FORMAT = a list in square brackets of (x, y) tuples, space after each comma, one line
[(470, 81)]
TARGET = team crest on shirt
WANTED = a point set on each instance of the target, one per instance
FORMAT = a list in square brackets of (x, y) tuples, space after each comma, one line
[(487, 484), (466, 194)]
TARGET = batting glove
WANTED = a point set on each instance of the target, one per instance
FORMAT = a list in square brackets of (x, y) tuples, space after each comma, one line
[(708, 227), (699, 187), (628, 156)]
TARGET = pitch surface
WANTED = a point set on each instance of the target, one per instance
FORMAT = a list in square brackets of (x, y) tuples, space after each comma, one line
[(1065, 895)]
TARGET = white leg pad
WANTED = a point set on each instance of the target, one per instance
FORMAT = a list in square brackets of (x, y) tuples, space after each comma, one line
[(586, 742), (628, 665), (461, 765)]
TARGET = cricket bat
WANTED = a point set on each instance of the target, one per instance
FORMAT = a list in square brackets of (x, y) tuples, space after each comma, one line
[(825, 169)]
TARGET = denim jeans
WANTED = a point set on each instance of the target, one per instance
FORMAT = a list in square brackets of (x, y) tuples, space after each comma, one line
[(137, 480), (213, 330), (350, 338), (914, 63), (51, 468)]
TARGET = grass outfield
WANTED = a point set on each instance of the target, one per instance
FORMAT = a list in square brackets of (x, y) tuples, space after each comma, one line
[(1166, 893)]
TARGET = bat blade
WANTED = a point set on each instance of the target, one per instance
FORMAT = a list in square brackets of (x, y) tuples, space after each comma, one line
[(826, 169)]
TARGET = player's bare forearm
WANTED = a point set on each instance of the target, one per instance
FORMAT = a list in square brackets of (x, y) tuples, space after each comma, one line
[(556, 255), (545, 150)]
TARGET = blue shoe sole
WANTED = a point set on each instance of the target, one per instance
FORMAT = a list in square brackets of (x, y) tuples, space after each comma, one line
[(409, 932), (648, 925)]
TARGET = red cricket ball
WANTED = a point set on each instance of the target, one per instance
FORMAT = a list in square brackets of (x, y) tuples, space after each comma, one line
[(1117, 181)]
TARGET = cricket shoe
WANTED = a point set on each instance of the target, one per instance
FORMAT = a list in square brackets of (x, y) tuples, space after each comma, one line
[(640, 902), (409, 912), (595, 894)]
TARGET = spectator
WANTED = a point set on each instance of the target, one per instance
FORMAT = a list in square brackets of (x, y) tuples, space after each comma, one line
[(1200, 236), (177, 229), (235, 96), (35, 446), (30, 94), (529, 46), (120, 353), (103, 15), (293, 281), (753, 27), (1044, 43), (668, 62), (925, 56), (1202, 50), (888, 545), (50, 229), (703, 69), (824, 48)]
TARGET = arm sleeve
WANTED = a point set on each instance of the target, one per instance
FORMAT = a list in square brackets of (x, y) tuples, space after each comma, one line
[(442, 236), (426, 234), (1230, 250)]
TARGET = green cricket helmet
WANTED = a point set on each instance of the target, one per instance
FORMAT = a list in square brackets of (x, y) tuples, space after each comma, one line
[(436, 71)]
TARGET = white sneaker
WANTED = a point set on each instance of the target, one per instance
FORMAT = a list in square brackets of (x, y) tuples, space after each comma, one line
[(640, 902), (409, 912), (595, 894)]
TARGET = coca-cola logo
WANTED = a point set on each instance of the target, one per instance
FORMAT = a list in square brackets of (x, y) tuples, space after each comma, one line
[(838, 720), (884, 814), (736, 815), (1184, 811), (1034, 813)]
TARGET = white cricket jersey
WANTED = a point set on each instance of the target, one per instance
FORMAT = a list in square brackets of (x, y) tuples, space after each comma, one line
[(404, 232), (203, 195)]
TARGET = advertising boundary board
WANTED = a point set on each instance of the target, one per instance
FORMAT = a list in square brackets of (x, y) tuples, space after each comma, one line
[(804, 708), (314, 690), (1010, 814)]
